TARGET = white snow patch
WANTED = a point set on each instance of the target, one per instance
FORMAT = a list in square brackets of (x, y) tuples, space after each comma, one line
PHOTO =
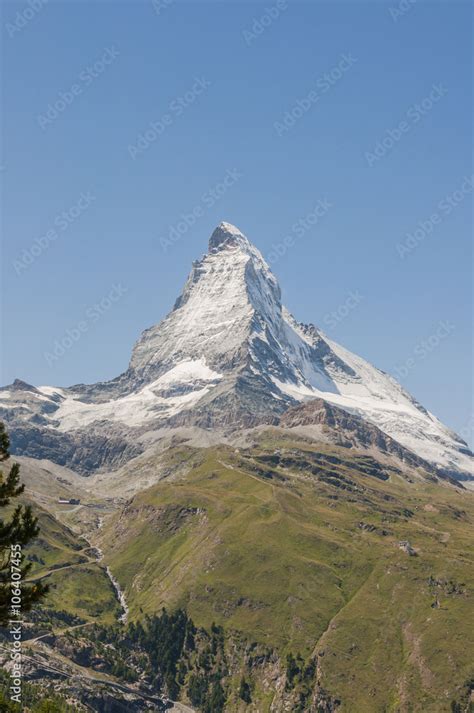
[(188, 371), (144, 405), (51, 391), (300, 392)]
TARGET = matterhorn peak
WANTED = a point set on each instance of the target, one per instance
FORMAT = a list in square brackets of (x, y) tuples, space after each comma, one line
[(229, 245), (228, 355), (225, 235)]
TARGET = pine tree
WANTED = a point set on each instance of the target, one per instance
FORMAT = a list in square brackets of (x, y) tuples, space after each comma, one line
[(217, 699), (15, 533), (245, 691)]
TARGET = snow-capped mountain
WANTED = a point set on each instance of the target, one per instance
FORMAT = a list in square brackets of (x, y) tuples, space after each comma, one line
[(227, 356)]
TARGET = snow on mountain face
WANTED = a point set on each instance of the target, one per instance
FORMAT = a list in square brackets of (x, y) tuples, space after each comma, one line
[(211, 317), (229, 294), (379, 399), (180, 387), (229, 348), (230, 313)]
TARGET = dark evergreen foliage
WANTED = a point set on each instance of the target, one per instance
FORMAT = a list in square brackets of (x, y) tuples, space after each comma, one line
[(245, 692), (15, 532)]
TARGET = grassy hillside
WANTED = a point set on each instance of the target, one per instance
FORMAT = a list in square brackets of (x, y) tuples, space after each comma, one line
[(78, 585), (297, 547)]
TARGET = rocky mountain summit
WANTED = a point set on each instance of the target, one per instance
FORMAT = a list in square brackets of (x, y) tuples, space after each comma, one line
[(228, 356)]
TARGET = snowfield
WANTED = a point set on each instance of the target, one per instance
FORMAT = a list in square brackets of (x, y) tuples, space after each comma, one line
[(192, 378)]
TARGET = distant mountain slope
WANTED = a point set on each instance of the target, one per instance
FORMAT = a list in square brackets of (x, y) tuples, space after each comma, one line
[(228, 356)]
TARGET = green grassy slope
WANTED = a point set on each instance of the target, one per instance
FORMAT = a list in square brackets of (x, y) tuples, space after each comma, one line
[(78, 585), (300, 551)]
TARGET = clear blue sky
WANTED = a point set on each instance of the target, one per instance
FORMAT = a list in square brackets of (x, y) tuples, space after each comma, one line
[(84, 80)]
